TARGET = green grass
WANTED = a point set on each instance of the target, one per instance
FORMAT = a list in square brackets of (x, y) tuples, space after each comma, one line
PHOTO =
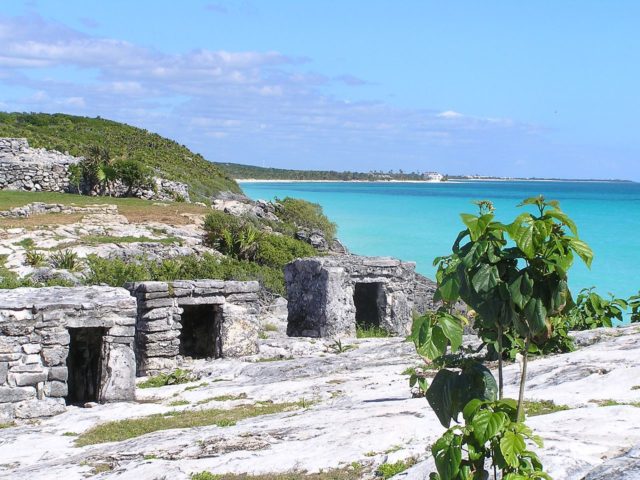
[(176, 377), (117, 431), (222, 398), (7, 425), (371, 332), (388, 470), (346, 473), (635, 387), (270, 327), (69, 434), (100, 239), (542, 407), (26, 243), (179, 403), (272, 359), (614, 403), (75, 134), (194, 387)]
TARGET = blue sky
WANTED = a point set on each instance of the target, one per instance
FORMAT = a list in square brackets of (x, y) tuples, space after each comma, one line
[(545, 88)]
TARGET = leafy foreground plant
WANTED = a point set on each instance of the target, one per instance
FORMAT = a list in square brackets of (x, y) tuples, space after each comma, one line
[(515, 291)]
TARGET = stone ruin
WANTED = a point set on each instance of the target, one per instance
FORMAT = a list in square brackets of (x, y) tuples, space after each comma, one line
[(26, 168), (61, 346), (196, 319), (330, 296), (37, 169)]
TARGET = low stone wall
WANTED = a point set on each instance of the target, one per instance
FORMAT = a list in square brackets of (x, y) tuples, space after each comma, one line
[(33, 169), (323, 292), (229, 316), (39, 208), (37, 327)]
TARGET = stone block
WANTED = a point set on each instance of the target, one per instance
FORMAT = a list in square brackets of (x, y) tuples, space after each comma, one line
[(146, 287), (53, 356), (16, 329), (16, 394), (31, 348), (122, 331), (58, 373), (26, 379), (166, 335), (55, 337), (40, 408), (4, 369), (156, 303), (208, 300), (56, 389), (158, 325)]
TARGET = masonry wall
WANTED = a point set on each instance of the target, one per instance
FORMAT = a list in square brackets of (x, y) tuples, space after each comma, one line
[(34, 345), (320, 293), (33, 169), (159, 318)]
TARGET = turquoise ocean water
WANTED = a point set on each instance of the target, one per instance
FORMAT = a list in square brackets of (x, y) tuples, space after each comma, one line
[(419, 221)]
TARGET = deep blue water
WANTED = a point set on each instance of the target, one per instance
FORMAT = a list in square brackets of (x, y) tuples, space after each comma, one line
[(419, 221)]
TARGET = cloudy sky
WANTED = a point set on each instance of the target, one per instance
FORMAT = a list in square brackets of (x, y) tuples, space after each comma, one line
[(496, 88)]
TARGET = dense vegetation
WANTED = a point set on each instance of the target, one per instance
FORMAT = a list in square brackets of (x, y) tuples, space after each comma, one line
[(76, 134), (239, 171)]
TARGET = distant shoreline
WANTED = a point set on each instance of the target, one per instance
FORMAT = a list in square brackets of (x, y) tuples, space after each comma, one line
[(455, 180)]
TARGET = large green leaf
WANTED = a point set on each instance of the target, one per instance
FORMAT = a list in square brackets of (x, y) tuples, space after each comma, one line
[(536, 315), (449, 289), (522, 234), (439, 395), (449, 458), (486, 424), (452, 327), (564, 219), (485, 278), (433, 344), (511, 446), (476, 224), (582, 250)]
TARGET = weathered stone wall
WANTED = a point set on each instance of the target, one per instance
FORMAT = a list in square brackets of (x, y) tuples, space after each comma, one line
[(320, 293), (34, 345), (26, 168), (160, 306)]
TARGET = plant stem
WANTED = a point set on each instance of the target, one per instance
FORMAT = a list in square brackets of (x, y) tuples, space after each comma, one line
[(500, 379), (523, 377)]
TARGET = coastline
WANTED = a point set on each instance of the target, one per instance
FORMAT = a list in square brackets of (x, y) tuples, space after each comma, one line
[(432, 182)]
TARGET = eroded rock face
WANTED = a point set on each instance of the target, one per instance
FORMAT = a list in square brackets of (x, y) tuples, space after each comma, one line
[(328, 296)]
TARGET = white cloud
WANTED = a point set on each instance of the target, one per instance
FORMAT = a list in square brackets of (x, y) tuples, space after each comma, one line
[(450, 114)]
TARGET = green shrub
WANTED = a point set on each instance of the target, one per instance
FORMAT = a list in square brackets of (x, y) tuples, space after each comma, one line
[(305, 214), (176, 377), (116, 272), (66, 260), (134, 175), (277, 250), (34, 258), (592, 310)]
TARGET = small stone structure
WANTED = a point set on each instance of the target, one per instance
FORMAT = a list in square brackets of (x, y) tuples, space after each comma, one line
[(329, 296), (62, 345), (26, 168), (194, 318)]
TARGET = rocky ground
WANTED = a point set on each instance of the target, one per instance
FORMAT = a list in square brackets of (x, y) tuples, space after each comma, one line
[(353, 410)]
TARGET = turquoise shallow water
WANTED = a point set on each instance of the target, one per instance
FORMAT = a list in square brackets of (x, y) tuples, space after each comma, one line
[(419, 221)]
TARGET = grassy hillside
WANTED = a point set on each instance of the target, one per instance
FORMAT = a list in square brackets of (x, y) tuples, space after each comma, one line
[(74, 134)]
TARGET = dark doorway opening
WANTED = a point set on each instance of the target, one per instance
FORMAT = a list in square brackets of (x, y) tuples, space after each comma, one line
[(84, 365), (200, 334), (369, 300)]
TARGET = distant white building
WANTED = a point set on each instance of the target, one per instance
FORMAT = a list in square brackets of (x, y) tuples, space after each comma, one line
[(432, 176)]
